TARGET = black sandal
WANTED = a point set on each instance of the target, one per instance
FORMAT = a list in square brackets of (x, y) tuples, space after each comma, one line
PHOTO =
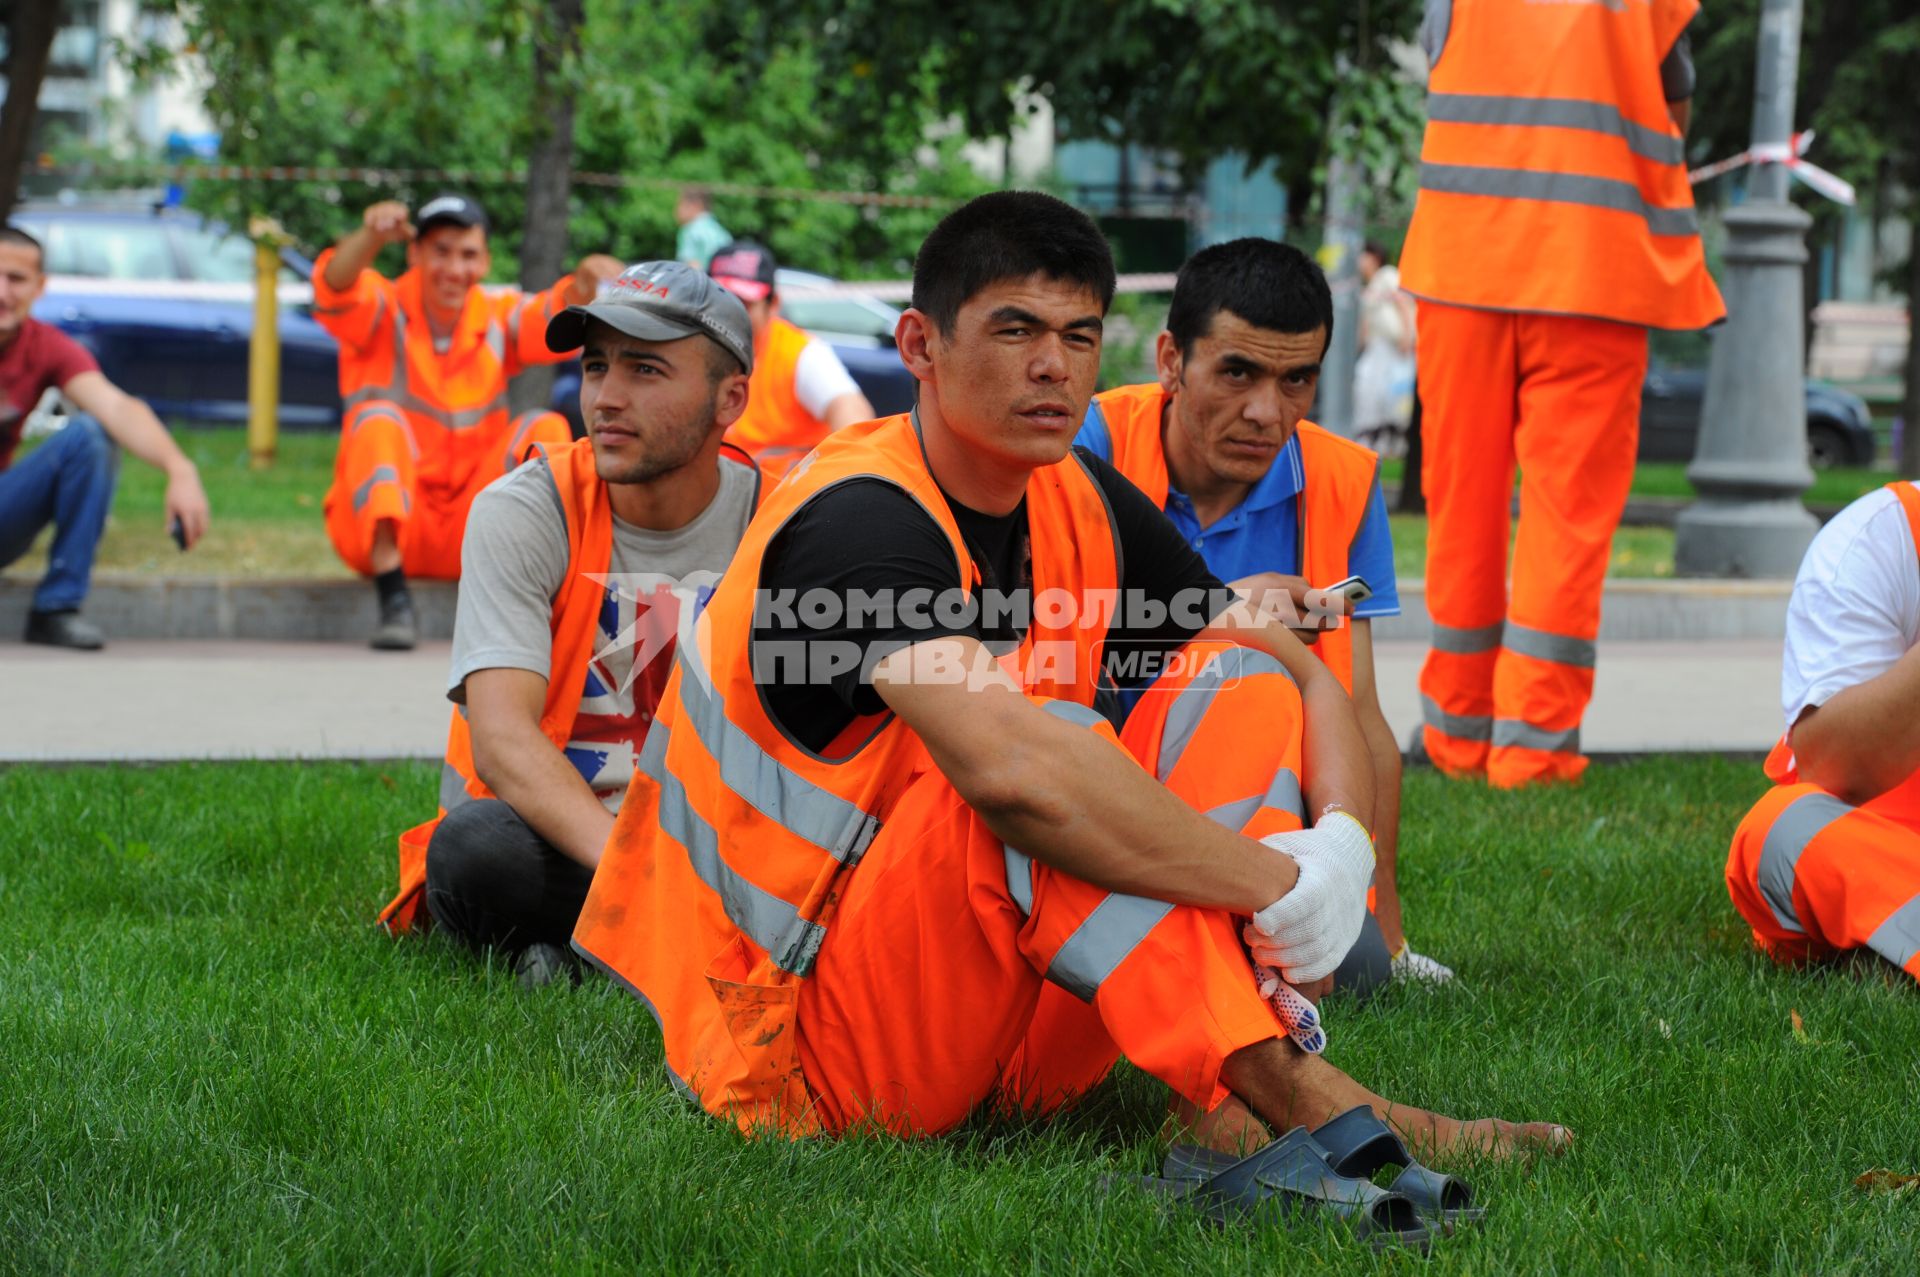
[(1358, 1144), (1288, 1175)]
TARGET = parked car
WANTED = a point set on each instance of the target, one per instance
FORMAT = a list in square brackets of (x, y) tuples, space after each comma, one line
[(1839, 427), (164, 300)]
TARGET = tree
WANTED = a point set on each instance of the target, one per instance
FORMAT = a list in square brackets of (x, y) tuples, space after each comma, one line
[(1195, 78), (453, 84), (1859, 60), (30, 25), (543, 252)]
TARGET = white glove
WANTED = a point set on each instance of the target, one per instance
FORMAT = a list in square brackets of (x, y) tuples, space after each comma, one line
[(1304, 934)]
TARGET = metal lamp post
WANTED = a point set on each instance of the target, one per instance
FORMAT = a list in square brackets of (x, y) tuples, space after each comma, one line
[(1750, 463)]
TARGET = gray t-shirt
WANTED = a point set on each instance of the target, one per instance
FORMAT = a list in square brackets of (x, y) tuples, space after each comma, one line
[(513, 563)]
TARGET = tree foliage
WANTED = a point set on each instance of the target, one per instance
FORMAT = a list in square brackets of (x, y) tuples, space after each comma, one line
[(1195, 78), (448, 84)]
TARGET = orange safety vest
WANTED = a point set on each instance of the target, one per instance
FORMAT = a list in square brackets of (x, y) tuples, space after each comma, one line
[(775, 429), (1552, 179), (455, 402), (589, 521), (735, 843), (1340, 478), (1902, 802)]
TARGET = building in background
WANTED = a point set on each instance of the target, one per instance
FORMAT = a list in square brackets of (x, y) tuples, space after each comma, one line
[(90, 99)]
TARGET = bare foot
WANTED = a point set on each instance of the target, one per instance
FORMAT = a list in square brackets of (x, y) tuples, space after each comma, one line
[(1288, 1088), (1431, 1135)]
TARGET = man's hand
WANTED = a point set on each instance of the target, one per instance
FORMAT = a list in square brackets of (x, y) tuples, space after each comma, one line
[(388, 222), (1306, 932), (186, 500), (1293, 602), (594, 270)]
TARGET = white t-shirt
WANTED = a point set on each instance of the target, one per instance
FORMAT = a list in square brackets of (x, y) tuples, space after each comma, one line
[(1855, 609), (513, 564), (819, 378)]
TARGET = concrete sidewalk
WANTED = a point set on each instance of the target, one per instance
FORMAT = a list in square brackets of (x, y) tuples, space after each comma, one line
[(154, 700)]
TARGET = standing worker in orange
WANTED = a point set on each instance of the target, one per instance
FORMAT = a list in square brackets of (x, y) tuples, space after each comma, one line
[(424, 365), (801, 392), (1554, 226)]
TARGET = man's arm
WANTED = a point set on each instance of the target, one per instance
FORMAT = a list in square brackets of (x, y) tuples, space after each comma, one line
[(1865, 740), (1065, 795), (132, 425), (527, 320), (516, 761), (382, 224), (1384, 750), (846, 410)]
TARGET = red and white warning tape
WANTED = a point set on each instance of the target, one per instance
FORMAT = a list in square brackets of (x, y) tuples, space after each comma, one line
[(472, 177), (1791, 153)]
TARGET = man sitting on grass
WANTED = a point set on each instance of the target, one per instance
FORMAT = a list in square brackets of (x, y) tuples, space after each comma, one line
[(879, 813), (68, 480), (1272, 502), (1829, 860), (574, 569)]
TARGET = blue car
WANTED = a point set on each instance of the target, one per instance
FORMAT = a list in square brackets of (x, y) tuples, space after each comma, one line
[(164, 300)]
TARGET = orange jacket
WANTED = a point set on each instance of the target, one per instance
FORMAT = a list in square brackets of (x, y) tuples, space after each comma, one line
[(583, 503), (456, 402), (775, 429), (734, 844), (1902, 802), (583, 499), (1552, 179), (1340, 476)]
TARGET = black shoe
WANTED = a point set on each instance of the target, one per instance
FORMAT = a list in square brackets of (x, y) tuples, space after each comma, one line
[(396, 631), (542, 964), (65, 628)]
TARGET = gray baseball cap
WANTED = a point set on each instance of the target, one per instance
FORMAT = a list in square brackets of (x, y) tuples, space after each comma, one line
[(660, 301)]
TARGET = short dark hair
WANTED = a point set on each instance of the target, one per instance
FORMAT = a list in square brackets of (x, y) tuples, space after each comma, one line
[(1378, 249), (1268, 284), (1008, 235), (699, 196), (11, 234)]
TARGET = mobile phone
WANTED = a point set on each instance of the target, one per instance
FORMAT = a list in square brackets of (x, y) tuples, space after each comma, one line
[(1355, 588), (178, 531)]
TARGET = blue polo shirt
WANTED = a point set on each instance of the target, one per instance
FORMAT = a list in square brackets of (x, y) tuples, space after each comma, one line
[(1262, 533)]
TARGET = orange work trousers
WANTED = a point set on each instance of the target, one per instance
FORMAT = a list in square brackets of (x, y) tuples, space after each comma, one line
[(1814, 877), (1507, 677), (376, 478), (958, 972)]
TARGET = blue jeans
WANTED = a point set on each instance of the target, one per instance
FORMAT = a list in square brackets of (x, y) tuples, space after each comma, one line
[(66, 481)]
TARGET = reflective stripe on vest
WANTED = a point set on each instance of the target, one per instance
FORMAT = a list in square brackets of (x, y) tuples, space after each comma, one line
[(1339, 481), (396, 390), (1553, 177), (725, 867)]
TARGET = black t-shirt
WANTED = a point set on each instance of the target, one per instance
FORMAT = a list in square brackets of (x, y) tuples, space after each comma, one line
[(862, 570)]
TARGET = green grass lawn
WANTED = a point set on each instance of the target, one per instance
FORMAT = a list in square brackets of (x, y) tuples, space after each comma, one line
[(212, 1062), (1668, 479), (266, 523)]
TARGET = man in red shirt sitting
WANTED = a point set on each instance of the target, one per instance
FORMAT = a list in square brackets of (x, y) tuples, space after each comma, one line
[(68, 480)]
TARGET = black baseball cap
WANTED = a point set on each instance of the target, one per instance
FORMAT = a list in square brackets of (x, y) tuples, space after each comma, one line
[(660, 301), (449, 209), (745, 268)]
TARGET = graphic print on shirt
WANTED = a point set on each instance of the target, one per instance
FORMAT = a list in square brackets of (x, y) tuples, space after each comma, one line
[(641, 615)]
